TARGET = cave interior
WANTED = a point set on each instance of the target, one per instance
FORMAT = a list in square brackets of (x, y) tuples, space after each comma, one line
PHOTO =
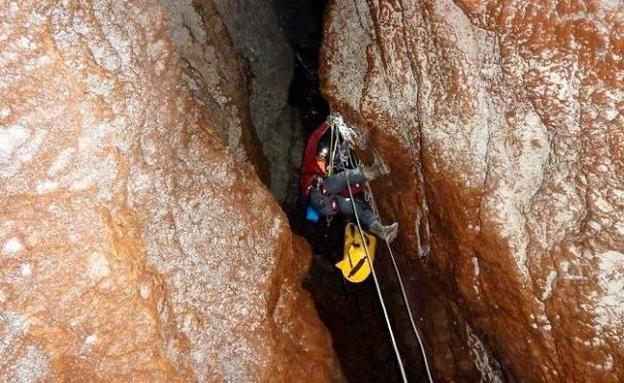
[(351, 312)]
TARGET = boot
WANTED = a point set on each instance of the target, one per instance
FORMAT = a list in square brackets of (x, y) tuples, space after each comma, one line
[(388, 232), (378, 168)]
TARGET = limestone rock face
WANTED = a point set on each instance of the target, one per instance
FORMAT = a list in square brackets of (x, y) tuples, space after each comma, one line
[(238, 64), (215, 75), (502, 123), (134, 245), (268, 61)]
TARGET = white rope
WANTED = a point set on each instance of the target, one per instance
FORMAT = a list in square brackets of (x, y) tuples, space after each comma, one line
[(404, 294), (333, 145), (409, 313), (399, 278), (377, 287), (336, 121)]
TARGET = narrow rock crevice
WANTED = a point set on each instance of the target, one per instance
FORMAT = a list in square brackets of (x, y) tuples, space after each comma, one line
[(351, 312), (151, 227)]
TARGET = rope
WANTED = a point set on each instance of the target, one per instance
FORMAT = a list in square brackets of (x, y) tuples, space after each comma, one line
[(377, 287), (399, 278), (333, 144), (404, 295)]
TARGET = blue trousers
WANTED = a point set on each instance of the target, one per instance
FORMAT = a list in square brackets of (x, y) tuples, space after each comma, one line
[(333, 186)]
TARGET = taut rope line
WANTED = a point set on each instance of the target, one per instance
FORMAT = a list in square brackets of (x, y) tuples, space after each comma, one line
[(396, 270)]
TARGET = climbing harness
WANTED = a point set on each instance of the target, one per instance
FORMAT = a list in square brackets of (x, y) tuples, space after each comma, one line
[(369, 261), (314, 170)]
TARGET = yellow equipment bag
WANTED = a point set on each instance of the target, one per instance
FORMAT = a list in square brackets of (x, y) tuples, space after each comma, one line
[(354, 265)]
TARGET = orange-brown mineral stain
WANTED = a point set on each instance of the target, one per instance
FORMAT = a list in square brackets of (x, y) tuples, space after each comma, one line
[(120, 201), (519, 173)]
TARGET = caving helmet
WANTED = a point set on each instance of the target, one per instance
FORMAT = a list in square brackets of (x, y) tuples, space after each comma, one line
[(322, 153)]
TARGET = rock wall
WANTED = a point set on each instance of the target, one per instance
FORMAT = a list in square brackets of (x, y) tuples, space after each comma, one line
[(238, 64), (216, 76), (502, 123), (134, 244), (268, 60)]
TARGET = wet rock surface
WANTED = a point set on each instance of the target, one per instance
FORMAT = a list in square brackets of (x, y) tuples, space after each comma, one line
[(502, 123), (135, 244)]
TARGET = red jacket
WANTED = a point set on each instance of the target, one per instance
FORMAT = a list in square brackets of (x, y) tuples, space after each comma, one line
[(310, 168)]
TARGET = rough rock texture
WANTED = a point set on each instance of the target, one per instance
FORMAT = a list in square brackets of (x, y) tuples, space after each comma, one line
[(254, 29), (502, 123), (215, 75), (238, 64), (134, 245)]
